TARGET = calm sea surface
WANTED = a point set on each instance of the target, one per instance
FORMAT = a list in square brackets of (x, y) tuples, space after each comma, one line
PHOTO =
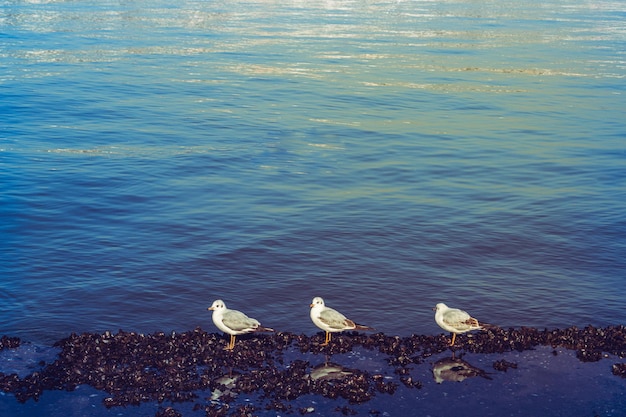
[(385, 155)]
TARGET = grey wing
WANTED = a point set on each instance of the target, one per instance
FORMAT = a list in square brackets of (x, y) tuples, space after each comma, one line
[(458, 319), (238, 321), (334, 319)]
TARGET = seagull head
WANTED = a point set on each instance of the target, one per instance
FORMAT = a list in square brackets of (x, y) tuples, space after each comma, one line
[(317, 301), (217, 305), (439, 307)]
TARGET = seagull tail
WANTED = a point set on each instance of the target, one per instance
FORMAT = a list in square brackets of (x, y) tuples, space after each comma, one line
[(361, 327), (263, 329)]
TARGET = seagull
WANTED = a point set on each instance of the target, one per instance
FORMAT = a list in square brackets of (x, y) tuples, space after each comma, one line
[(331, 320), (234, 322), (456, 321)]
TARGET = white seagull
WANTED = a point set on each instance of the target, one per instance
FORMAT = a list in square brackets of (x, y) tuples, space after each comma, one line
[(456, 321), (331, 320), (234, 322)]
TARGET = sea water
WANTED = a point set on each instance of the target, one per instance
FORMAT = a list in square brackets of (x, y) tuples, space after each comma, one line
[(384, 155)]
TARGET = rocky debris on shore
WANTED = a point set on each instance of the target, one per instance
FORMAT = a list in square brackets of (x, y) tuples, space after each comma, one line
[(619, 369), (504, 365), (133, 368), (7, 342)]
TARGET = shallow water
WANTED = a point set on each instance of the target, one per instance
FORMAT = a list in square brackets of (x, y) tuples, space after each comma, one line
[(383, 155)]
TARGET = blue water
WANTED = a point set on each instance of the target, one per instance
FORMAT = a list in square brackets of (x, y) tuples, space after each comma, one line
[(385, 155)]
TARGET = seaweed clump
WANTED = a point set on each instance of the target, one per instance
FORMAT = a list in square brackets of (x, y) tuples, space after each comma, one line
[(133, 368), (7, 342), (590, 343), (619, 369)]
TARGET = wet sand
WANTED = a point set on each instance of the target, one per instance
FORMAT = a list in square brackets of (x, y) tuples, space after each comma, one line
[(527, 371)]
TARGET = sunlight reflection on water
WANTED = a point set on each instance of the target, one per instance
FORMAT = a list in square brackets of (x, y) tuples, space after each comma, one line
[(158, 156)]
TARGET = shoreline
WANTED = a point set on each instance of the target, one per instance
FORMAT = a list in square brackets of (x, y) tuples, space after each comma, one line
[(276, 373)]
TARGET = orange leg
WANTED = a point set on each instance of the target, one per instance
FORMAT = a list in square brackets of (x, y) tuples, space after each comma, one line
[(231, 344), (327, 339), (453, 338)]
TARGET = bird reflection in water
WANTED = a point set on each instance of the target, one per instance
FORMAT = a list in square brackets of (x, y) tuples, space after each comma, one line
[(329, 371), (225, 386), (455, 370)]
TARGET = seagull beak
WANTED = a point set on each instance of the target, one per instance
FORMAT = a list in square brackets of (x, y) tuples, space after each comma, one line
[(211, 308), (311, 305), (434, 308)]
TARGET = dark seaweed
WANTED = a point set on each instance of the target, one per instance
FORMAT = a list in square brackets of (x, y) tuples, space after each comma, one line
[(9, 342), (134, 368)]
